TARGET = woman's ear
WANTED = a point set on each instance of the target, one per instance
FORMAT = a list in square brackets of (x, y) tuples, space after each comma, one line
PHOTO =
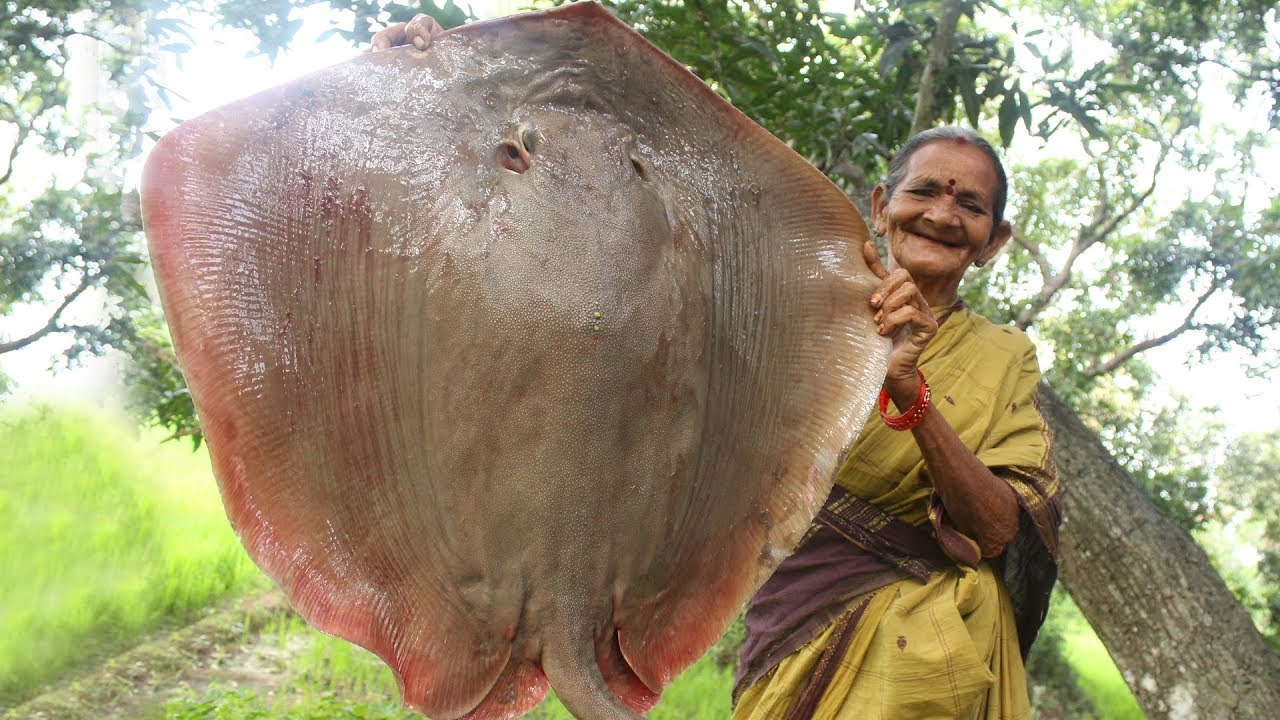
[(999, 236), (878, 201)]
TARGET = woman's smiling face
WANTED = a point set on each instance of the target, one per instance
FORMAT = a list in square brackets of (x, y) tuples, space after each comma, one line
[(939, 219)]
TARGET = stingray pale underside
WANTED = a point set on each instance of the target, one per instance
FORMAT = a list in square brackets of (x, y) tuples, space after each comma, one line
[(523, 359)]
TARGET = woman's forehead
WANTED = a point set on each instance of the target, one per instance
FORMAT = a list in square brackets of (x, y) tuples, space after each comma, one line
[(953, 162)]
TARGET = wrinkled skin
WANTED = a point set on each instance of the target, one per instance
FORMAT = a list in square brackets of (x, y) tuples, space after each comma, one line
[(522, 360)]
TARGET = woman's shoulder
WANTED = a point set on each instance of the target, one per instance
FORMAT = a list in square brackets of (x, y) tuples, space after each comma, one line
[(1002, 339)]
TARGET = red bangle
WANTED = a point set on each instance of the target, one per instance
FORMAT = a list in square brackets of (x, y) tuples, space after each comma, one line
[(914, 414)]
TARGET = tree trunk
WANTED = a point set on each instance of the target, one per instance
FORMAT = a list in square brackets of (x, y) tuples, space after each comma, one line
[(926, 113), (1186, 647)]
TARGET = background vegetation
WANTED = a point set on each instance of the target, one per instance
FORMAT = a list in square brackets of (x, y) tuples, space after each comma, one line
[(108, 534), (1142, 229)]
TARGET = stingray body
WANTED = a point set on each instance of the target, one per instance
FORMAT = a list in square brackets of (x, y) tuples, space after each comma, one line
[(522, 360)]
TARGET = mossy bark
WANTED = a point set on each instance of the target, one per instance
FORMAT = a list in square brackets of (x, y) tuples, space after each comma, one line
[(1184, 644)]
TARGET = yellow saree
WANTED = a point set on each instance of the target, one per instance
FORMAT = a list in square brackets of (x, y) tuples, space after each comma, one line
[(946, 646)]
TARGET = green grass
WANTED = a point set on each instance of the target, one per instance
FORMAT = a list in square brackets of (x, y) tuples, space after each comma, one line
[(107, 534), (1099, 677), (324, 678), (221, 703)]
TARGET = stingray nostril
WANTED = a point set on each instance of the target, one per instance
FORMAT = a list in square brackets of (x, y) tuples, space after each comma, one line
[(641, 170), (529, 136)]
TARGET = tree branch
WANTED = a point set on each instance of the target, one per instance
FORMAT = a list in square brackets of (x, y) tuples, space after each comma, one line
[(1048, 290), (1042, 262), (869, 14), (54, 325), (1128, 353), (1111, 223), (94, 36), (1056, 281), (185, 432), (24, 129), (1250, 75), (1104, 223)]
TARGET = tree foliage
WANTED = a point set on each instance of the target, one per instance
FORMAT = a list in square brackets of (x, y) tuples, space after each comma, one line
[(68, 227), (1252, 489), (841, 89)]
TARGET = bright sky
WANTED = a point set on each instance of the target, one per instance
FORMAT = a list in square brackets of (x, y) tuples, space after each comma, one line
[(221, 68)]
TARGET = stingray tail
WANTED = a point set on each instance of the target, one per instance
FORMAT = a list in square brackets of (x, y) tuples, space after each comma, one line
[(575, 676)]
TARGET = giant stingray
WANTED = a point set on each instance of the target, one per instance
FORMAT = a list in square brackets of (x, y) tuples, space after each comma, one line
[(522, 360)]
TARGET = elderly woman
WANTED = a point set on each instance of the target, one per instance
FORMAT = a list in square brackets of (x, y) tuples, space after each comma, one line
[(922, 583)]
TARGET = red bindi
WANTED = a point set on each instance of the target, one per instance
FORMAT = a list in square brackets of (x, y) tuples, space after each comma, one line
[(951, 186)]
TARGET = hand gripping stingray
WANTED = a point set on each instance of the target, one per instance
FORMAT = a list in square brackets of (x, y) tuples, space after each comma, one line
[(522, 360)]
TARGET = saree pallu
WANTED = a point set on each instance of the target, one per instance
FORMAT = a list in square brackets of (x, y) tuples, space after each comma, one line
[(834, 602)]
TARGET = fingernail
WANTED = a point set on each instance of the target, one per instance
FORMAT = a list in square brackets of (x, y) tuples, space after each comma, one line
[(879, 316), (419, 43), (875, 299)]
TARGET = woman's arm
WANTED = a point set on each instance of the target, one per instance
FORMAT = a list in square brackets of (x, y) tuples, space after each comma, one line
[(979, 504)]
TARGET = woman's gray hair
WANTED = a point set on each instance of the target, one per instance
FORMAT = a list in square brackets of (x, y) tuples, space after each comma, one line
[(898, 166)]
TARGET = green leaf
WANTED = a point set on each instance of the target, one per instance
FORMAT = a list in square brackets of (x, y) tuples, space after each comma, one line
[(972, 103), (1008, 116), (892, 55)]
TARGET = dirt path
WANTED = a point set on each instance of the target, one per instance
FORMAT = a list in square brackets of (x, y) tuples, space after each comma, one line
[(221, 648)]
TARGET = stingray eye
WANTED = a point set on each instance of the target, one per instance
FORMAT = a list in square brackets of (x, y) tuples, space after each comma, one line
[(515, 153), (513, 157), (642, 170)]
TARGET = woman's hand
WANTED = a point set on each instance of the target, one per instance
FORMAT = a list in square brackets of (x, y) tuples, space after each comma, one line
[(417, 32), (903, 314)]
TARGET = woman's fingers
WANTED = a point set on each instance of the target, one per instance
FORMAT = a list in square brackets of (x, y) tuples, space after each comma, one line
[(898, 305), (921, 324), (903, 308), (418, 32), (898, 294), (891, 285), (872, 258), (421, 29), (388, 37)]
